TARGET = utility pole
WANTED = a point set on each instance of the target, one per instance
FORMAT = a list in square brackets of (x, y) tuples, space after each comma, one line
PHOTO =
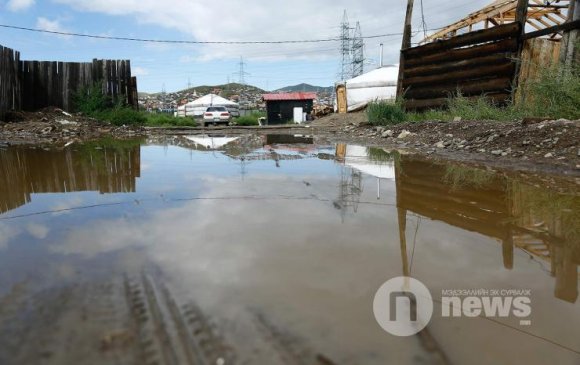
[(358, 57), (405, 44)]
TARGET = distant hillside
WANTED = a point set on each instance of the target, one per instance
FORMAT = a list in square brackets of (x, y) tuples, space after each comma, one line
[(227, 90), (307, 88)]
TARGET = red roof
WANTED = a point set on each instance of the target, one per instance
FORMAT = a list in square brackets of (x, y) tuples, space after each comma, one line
[(289, 96)]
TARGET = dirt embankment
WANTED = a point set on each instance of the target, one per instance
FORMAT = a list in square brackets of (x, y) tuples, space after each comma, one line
[(550, 146), (55, 126), (542, 145)]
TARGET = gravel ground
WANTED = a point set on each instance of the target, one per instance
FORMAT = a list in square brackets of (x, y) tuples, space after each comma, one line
[(57, 127), (540, 145)]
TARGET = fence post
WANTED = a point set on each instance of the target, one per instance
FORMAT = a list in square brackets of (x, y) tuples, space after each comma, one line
[(569, 53), (405, 44), (521, 15)]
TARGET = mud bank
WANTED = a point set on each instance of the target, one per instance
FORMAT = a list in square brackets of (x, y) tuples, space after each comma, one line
[(543, 146), (549, 146), (57, 127)]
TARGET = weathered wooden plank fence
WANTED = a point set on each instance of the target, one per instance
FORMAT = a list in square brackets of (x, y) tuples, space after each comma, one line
[(48, 83), (476, 63), (33, 85), (9, 81)]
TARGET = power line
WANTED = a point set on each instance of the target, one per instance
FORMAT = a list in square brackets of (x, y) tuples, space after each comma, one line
[(145, 40)]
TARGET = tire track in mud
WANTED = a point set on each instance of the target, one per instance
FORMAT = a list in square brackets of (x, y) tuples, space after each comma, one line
[(169, 334), (138, 320), (291, 350)]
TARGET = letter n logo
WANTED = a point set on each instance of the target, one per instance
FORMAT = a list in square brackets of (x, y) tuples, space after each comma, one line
[(394, 299)]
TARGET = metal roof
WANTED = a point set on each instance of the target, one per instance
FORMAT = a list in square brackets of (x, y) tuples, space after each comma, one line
[(289, 96)]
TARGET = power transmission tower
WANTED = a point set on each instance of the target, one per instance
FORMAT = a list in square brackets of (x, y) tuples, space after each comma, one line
[(358, 57), (242, 73), (345, 49)]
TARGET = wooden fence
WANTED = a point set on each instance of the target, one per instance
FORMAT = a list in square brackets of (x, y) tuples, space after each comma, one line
[(33, 85), (9, 81), (538, 54), (476, 63)]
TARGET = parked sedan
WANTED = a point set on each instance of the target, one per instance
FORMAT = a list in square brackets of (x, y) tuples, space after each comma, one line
[(216, 114)]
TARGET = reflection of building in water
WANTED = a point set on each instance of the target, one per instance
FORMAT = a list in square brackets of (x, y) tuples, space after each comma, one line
[(26, 171), (541, 222)]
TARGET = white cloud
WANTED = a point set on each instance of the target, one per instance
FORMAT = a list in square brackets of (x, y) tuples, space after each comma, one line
[(50, 25), (7, 233), (139, 71), (38, 231), (232, 20), (19, 5)]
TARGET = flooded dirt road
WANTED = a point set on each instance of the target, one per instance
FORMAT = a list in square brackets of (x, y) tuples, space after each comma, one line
[(270, 249)]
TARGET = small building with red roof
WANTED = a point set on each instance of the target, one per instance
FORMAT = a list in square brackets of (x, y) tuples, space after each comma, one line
[(280, 107)]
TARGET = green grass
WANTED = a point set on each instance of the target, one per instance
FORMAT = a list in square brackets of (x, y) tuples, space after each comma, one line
[(385, 113), (249, 120), (166, 120), (461, 177), (555, 93), (121, 115)]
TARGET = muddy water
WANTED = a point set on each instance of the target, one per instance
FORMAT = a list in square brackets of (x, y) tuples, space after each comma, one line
[(269, 250)]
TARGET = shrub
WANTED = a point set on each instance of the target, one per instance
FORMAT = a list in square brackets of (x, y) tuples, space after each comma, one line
[(121, 116), (91, 100), (249, 120), (385, 113)]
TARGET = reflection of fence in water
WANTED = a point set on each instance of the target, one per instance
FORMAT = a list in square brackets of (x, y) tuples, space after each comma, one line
[(28, 171), (538, 221)]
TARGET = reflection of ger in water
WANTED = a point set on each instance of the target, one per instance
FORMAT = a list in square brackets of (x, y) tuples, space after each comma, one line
[(356, 161), (91, 167), (540, 222)]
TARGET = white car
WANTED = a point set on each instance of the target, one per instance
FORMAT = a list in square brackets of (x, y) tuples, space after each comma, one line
[(216, 114)]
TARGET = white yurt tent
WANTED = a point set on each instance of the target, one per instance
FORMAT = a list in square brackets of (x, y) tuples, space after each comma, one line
[(356, 93), (197, 107), (358, 158)]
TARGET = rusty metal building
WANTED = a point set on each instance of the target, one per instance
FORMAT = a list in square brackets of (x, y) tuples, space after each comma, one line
[(280, 107)]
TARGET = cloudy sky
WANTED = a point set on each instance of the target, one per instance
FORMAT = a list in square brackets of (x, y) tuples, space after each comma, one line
[(173, 66)]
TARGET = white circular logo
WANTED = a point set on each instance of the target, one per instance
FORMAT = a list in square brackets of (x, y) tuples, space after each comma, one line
[(403, 306)]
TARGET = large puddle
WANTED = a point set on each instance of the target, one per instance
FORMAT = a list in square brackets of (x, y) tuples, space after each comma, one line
[(278, 245)]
